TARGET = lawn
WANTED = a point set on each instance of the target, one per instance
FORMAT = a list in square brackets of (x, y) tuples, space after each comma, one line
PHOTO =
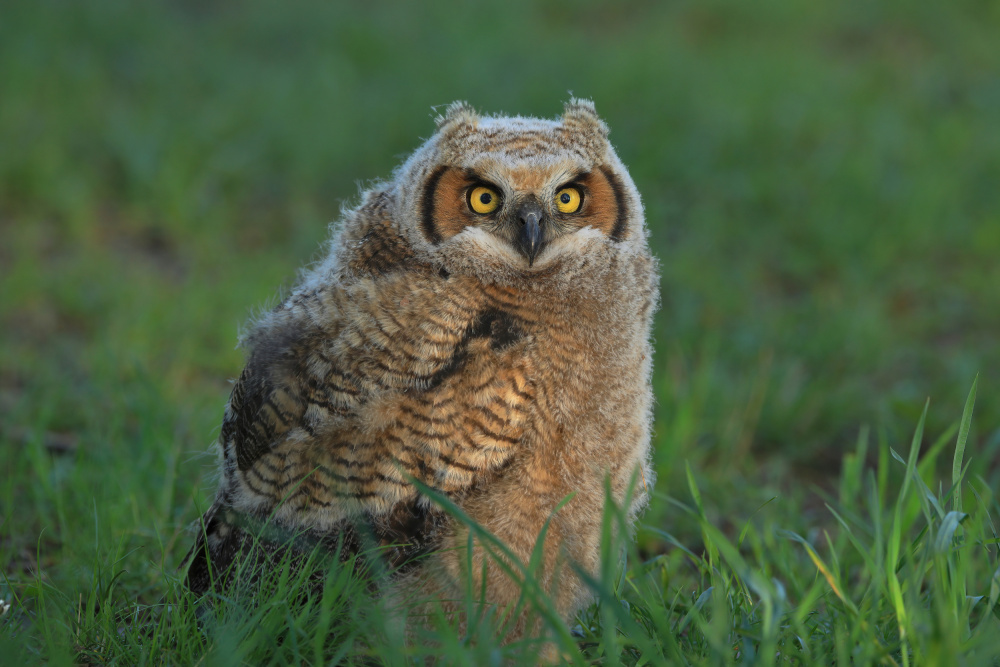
[(821, 185)]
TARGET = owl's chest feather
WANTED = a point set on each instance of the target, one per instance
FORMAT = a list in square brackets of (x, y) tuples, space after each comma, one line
[(586, 348)]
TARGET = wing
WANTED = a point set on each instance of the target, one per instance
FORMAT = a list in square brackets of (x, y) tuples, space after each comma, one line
[(352, 388)]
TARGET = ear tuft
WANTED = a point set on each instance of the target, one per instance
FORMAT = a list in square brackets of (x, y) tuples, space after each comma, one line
[(457, 113), (581, 114)]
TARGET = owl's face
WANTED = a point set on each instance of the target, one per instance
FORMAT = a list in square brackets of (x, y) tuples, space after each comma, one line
[(515, 191), (525, 204)]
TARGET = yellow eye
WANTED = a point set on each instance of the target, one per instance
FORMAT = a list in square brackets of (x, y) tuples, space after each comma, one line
[(568, 200), (483, 200)]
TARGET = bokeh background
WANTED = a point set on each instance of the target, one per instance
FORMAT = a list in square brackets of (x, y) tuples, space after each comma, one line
[(821, 180)]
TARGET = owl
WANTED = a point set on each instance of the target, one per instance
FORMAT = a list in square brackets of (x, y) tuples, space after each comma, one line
[(478, 331)]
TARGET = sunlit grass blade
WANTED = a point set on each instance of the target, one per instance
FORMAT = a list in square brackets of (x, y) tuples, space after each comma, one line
[(957, 472), (832, 579), (896, 537)]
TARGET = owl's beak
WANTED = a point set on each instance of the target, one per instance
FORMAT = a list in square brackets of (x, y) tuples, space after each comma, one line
[(530, 239)]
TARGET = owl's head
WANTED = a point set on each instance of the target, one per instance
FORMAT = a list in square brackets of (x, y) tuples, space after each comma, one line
[(515, 195)]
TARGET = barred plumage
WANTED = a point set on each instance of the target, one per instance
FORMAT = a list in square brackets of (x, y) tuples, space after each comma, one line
[(500, 358)]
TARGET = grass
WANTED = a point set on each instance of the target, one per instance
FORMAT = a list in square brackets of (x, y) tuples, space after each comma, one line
[(819, 181), (909, 577)]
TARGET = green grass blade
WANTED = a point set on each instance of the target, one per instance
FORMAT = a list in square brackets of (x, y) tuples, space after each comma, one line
[(946, 532), (963, 436)]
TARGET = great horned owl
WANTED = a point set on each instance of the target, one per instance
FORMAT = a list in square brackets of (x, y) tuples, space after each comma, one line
[(481, 324)]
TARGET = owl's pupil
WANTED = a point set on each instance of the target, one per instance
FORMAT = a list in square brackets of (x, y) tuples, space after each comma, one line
[(564, 197), (486, 198)]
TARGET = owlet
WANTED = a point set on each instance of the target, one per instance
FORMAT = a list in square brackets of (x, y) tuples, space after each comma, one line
[(479, 330)]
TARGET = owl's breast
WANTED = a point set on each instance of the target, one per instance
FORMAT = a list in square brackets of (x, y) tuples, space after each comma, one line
[(584, 335)]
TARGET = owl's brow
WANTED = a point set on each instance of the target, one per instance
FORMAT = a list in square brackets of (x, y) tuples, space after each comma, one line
[(473, 177), (575, 180)]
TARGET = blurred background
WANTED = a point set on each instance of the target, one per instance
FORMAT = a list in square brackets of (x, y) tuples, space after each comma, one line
[(821, 181)]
